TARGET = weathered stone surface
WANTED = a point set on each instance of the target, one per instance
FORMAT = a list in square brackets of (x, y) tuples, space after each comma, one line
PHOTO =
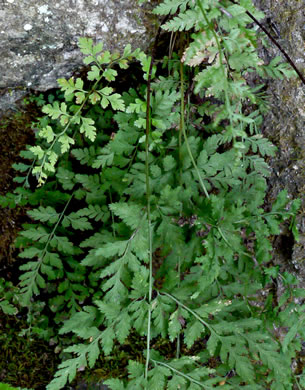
[(285, 122), (38, 38)]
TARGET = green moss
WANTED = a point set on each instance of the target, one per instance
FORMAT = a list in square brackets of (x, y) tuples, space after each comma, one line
[(25, 361)]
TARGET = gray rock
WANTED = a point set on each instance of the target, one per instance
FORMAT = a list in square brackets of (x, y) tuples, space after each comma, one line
[(9, 97), (38, 38), (285, 123)]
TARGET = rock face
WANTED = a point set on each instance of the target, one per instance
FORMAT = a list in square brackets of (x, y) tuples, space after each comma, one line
[(38, 38), (285, 123)]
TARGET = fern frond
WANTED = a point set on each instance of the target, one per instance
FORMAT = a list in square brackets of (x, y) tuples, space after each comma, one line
[(183, 22), (171, 6)]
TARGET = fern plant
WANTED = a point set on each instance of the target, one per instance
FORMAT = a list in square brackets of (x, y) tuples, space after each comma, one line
[(150, 214)]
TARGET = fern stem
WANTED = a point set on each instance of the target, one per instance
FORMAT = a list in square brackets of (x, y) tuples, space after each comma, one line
[(190, 311), (227, 100), (225, 79), (179, 334), (77, 112), (70, 121), (229, 245), (297, 382), (228, 105), (181, 184), (189, 378), (148, 129), (26, 181), (274, 41), (57, 223), (112, 215), (263, 216), (40, 260), (180, 148), (182, 123)]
